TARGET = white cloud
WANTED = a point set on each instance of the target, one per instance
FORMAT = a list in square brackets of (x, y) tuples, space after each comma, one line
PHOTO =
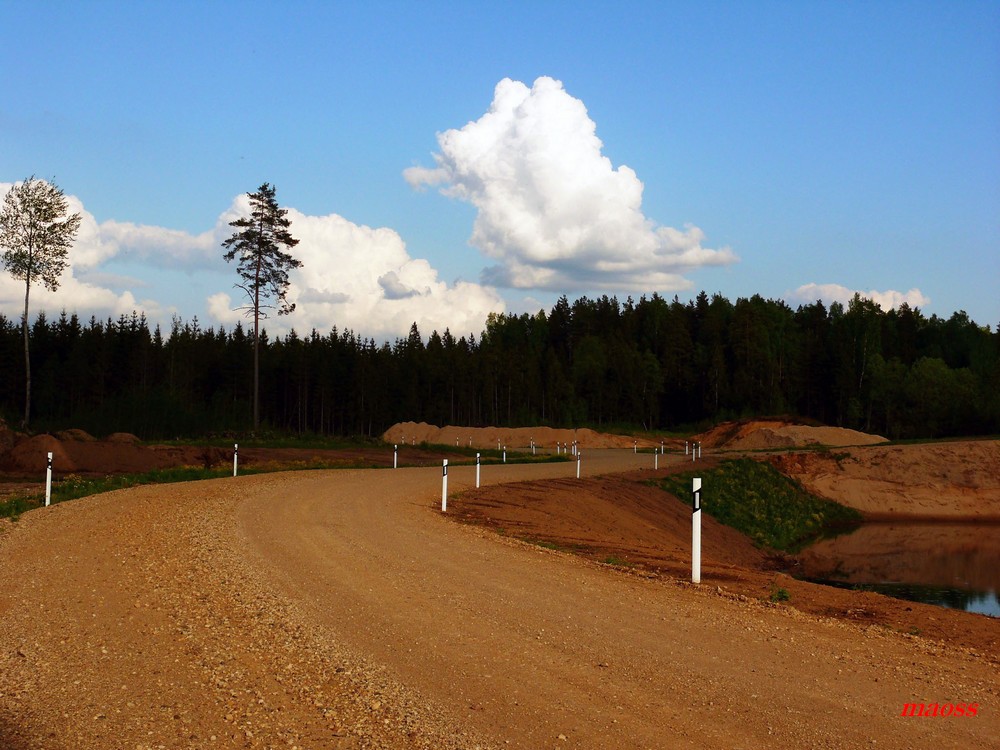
[(361, 278), (887, 300), (352, 277), (97, 243), (89, 293), (552, 210), (76, 295)]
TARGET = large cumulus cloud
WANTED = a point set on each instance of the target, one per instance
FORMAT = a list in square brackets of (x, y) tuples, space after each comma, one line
[(552, 210), (363, 278)]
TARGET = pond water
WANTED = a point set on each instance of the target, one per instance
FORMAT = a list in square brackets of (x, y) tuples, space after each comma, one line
[(953, 565)]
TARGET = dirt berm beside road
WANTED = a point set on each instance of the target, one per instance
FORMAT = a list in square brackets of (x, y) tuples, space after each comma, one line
[(340, 610)]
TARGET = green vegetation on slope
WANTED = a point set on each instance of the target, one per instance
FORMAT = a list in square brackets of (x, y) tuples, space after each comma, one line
[(757, 500)]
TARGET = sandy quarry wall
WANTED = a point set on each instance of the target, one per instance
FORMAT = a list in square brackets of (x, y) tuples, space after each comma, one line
[(512, 437)]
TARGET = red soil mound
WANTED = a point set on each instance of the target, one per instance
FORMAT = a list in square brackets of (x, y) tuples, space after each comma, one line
[(29, 455)]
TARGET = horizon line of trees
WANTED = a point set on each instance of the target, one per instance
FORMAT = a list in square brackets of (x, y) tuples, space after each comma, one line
[(651, 363)]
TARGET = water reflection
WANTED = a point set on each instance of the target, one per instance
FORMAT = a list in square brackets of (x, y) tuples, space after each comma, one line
[(949, 564)]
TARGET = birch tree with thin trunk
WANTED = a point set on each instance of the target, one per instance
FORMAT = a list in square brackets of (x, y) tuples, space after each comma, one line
[(36, 235), (263, 267)]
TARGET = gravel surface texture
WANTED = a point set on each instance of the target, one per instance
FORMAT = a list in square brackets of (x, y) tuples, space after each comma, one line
[(341, 610)]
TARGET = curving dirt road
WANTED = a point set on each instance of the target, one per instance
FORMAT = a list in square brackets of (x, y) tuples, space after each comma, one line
[(340, 610)]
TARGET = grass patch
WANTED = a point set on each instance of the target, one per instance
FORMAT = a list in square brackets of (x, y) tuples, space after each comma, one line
[(759, 501), (617, 561), (779, 594)]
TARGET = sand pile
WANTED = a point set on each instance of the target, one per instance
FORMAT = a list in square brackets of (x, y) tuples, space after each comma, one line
[(30, 455), (775, 435), (952, 479), (513, 437)]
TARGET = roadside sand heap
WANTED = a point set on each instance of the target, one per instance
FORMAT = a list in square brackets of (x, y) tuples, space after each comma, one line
[(950, 480), (728, 436), (513, 437), (775, 435), (76, 451)]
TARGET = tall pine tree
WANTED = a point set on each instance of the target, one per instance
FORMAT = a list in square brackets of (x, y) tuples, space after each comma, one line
[(263, 267)]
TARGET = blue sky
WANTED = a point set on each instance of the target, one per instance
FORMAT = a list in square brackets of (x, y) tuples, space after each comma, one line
[(794, 149)]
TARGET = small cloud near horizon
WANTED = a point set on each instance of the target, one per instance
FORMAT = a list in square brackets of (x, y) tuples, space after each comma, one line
[(828, 293)]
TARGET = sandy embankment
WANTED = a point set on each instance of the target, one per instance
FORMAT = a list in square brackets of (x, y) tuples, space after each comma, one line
[(545, 438), (946, 481), (756, 435)]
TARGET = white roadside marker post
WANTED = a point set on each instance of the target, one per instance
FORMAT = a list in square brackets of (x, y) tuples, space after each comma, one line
[(395, 456), (661, 448), (505, 454), (444, 486), (699, 449), (236, 453), (685, 447), (579, 456), (656, 460), (635, 446), (477, 471), (48, 481), (696, 530)]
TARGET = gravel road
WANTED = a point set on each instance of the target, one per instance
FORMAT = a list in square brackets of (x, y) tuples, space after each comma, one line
[(342, 610)]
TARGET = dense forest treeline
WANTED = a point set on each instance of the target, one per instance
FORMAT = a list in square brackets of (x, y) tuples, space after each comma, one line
[(653, 363)]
